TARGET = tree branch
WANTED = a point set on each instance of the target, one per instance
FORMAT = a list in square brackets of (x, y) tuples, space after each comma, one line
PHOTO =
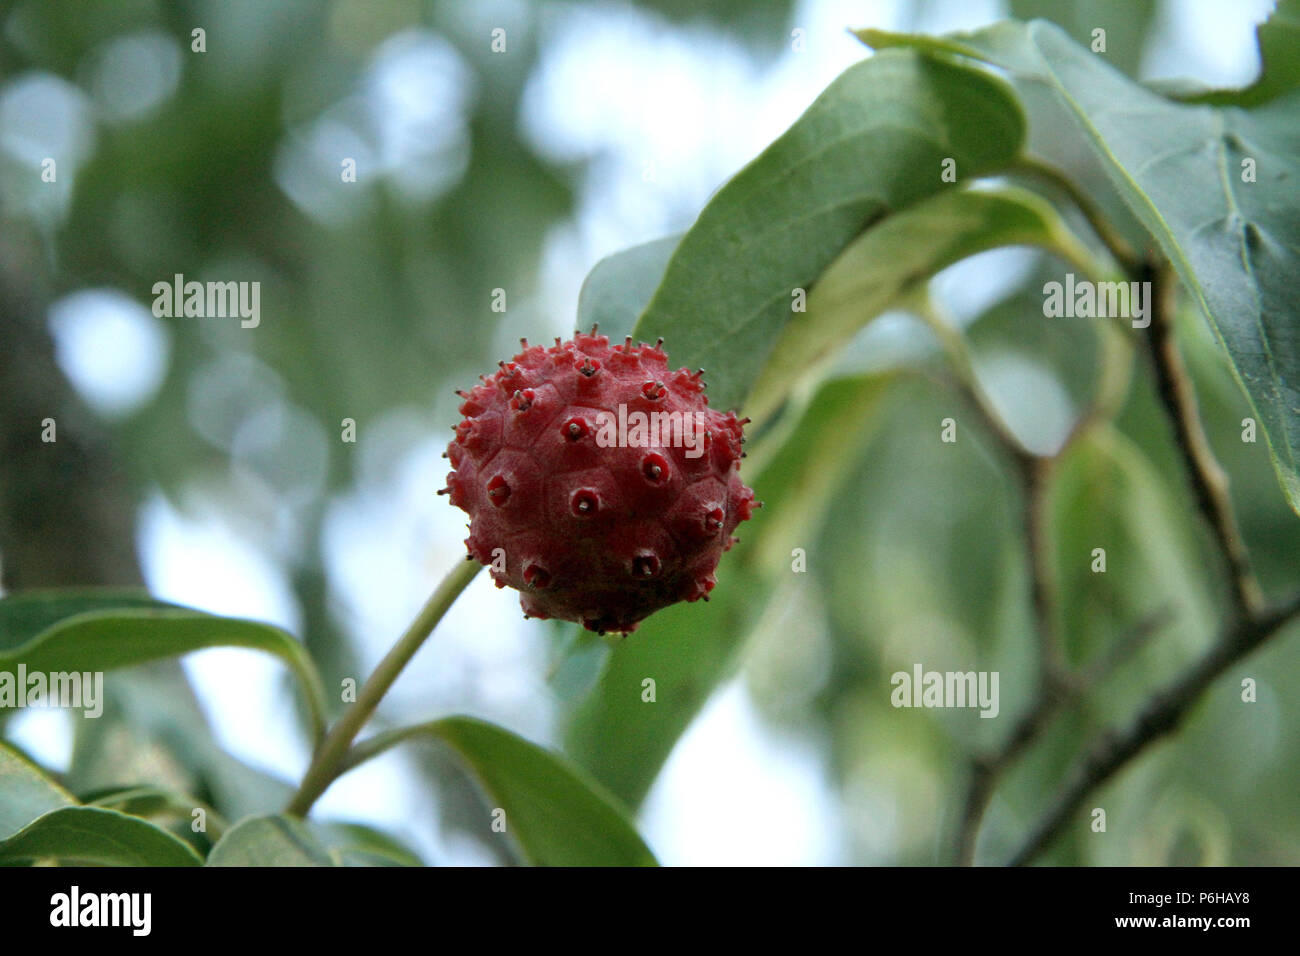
[(1208, 480), (1250, 624), (1048, 702), (1159, 717), (1056, 685)]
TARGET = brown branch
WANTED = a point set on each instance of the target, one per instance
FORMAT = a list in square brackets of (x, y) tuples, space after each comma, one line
[(1250, 624), (984, 772), (1050, 700), (1056, 685), (1208, 480), (1159, 717)]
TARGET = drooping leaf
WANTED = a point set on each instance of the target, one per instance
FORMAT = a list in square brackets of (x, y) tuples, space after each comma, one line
[(110, 639), (93, 836), (871, 145), (27, 613), (554, 813), (152, 731), (271, 840), (891, 259), (1182, 170)]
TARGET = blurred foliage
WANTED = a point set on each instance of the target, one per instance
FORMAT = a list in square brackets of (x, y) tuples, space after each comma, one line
[(381, 306), (377, 300)]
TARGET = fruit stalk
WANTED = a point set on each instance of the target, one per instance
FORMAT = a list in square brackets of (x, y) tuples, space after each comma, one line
[(330, 758)]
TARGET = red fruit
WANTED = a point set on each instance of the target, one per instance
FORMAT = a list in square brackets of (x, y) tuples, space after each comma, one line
[(596, 525)]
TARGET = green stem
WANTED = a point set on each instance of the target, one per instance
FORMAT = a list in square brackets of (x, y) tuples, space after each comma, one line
[(954, 346), (330, 759), (1117, 245), (372, 747)]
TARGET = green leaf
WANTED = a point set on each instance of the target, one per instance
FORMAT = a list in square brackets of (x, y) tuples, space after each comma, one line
[(1235, 244), (111, 639), (1126, 22), (92, 836), (891, 259), (1107, 494), (157, 804), (152, 728), (26, 792), (154, 732), (28, 613), (554, 812), (618, 288), (870, 146), (359, 845), (271, 840), (688, 649)]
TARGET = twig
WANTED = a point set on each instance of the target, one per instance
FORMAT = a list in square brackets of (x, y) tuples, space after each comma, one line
[(1250, 624), (968, 384), (1033, 471), (1160, 716), (986, 770), (1116, 244), (1055, 684), (1208, 480), (330, 758)]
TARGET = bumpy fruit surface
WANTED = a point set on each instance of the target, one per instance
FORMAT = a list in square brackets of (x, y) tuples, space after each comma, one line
[(592, 531)]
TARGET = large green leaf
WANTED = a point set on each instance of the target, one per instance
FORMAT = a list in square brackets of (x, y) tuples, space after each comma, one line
[(92, 836), (554, 812), (1126, 22), (890, 259), (688, 649), (25, 792), (110, 639), (1235, 244), (870, 146), (272, 840)]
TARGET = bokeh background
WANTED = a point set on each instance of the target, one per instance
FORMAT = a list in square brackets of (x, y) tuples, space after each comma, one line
[(205, 460)]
